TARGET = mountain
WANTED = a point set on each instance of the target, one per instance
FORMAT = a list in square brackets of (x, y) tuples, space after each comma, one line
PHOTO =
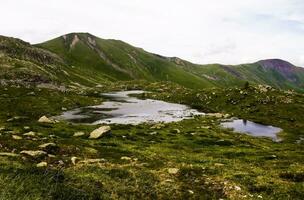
[(274, 72), (84, 60), (117, 60)]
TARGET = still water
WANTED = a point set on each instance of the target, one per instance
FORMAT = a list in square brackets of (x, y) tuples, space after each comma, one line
[(254, 129), (120, 108)]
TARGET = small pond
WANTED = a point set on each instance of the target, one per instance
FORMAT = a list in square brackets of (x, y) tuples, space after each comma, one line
[(120, 108), (254, 129)]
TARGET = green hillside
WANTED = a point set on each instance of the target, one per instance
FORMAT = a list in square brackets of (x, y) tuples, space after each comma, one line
[(117, 60), (274, 72), (83, 60)]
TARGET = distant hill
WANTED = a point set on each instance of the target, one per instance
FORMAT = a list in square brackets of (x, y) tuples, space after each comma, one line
[(82, 59)]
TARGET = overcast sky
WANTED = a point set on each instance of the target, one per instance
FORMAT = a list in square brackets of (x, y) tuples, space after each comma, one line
[(201, 31)]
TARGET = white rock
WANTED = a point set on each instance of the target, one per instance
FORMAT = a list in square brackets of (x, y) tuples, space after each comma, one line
[(173, 170), (31, 134), (78, 134), (97, 133), (16, 137), (34, 154), (237, 188), (125, 158), (73, 160), (44, 119), (92, 161), (8, 154), (42, 164), (47, 145)]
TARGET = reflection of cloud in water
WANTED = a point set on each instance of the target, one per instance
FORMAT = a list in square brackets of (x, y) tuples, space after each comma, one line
[(123, 109), (254, 129)]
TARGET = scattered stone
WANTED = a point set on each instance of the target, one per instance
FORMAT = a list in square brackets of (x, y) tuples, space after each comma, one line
[(226, 116), (60, 162), (2, 128), (49, 147), (73, 160), (125, 158), (173, 170), (101, 131), (44, 119), (153, 133), (92, 161), (34, 154), (16, 137), (217, 115), (42, 164), (205, 127), (237, 188), (64, 109), (51, 156), (31, 93), (190, 192), (8, 154), (218, 164), (26, 128), (158, 126), (14, 119), (79, 134), (31, 134), (177, 131)]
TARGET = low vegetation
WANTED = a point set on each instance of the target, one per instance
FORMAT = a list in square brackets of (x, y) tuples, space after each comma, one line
[(191, 159)]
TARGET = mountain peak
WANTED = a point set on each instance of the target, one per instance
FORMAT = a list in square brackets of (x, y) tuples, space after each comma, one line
[(278, 64)]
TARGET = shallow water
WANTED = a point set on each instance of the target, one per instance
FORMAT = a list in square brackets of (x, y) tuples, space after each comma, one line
[(254, 129), (120, 108)]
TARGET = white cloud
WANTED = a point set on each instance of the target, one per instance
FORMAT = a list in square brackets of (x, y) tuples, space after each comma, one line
[(201, 31)]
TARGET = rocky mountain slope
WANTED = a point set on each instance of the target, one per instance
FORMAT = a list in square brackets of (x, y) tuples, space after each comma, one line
[(81, 59)]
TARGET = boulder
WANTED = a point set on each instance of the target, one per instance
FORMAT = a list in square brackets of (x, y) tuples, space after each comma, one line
[(217, 115), (44, 119), (173, 170), (42, 164), (158, 126), (177, 131), (16, 137), (73, 160), (30, 134), (34, 154), (8, 154), (92, 161), (101, 131), (79, 134), (49, 147), (125, 158)]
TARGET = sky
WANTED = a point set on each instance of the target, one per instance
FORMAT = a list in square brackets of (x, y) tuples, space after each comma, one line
[(201, 31)]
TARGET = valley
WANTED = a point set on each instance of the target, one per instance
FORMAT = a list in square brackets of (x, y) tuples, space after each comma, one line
[(42, 157)]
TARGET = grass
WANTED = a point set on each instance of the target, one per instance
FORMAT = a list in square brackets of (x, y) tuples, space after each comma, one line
[(212, 162)]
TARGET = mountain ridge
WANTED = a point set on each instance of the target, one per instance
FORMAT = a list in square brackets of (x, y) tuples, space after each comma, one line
[(94, 60)]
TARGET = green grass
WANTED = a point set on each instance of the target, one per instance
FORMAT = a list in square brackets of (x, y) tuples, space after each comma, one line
[(213, 162)]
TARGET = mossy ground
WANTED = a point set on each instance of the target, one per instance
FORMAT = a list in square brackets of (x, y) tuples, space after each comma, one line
[(213, 163)]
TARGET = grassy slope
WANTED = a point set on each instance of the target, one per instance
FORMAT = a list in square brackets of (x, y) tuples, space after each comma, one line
[(138, 63), (225, 76)]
